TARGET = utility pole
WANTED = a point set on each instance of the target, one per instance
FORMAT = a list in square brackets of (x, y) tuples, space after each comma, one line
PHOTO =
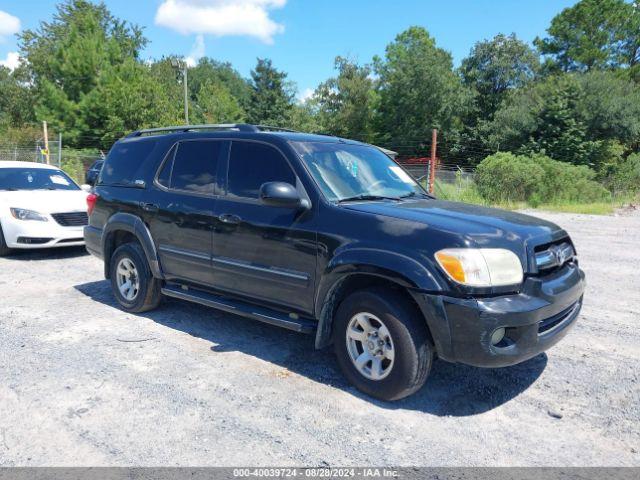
[(433, 159), (186, 94), (181, 65), (46, 141)]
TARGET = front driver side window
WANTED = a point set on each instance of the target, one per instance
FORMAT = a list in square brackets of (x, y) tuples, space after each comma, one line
[(253, 164)]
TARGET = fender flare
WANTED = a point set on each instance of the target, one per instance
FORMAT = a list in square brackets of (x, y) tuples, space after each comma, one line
[(134, 225), (368, 261)]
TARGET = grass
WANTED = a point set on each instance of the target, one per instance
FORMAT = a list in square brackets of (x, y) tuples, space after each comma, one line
[(595, 208), (465, 191)]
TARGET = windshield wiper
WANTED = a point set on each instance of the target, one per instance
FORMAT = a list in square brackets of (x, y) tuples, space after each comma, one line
[(415, 194), (356, 198)]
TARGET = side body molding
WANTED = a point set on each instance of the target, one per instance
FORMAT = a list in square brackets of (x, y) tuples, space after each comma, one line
[(396, 267), (134, 225)]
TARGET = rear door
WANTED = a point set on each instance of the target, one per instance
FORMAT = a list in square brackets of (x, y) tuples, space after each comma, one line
[(181, 214), (259, 251)]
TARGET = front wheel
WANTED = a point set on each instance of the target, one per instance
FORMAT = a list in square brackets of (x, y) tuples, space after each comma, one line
[(133, 285), (382, 344)]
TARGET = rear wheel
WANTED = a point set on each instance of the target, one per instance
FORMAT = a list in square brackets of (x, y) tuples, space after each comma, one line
[(133, 285), (382, 344), (4, 250)]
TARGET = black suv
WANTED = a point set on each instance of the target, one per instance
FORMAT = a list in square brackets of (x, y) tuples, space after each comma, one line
[(329, 236)]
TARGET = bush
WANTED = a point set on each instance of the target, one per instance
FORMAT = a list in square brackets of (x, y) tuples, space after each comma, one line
[(76, 161), (624, 177), (537, 179), (74, 168), (505, 177)]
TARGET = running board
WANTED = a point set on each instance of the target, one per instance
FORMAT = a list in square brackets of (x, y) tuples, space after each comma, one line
[(227, 304)]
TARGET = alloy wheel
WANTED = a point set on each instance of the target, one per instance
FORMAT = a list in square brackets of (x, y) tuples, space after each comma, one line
[(370, 346), (127, 279)]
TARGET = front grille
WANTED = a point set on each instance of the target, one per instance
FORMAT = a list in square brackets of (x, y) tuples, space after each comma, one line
[(554, 255), (71, 219), (552, 322)]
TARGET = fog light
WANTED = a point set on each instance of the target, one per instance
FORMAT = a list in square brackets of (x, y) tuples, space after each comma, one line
[(497, 336)]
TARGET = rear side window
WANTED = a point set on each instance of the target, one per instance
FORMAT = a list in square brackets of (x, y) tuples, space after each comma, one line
[(123, 164), (253, 164), (164, 177), (192, 166)]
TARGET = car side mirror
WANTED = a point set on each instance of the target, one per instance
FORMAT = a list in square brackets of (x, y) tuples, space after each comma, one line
[(281, 194), (85, 187)]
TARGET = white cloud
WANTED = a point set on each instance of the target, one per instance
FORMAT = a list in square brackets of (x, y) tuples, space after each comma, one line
[(221, 17), (8, 25), (197, 51), (305, 95), (12, 61)]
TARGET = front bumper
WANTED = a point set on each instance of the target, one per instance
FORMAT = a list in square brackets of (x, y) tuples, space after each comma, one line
[(33, 234), (534, 320)]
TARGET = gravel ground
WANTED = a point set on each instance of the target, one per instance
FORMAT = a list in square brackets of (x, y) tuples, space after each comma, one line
[(83, 383)]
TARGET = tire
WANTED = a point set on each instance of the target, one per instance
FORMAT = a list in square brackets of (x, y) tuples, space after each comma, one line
[(144, 294), (4, 250), (403, 332)]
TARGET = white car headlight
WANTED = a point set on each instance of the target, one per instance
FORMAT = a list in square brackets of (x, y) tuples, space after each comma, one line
[(481, 267), (23, 214)]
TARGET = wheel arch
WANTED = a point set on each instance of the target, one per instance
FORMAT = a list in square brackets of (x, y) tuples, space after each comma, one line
[(358, 269), (122, 228)]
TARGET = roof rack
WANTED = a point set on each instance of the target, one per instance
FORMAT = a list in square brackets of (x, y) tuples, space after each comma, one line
[(240, 127), (271, 128)]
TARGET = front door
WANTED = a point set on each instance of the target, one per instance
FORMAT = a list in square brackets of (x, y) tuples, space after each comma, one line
[(263, 252), (185, 198)]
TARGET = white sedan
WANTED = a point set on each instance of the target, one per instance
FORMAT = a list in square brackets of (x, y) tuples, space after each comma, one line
[(40, 207)]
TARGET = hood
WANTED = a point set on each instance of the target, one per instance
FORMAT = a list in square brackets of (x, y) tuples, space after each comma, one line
[(471, 225), (45, 201)]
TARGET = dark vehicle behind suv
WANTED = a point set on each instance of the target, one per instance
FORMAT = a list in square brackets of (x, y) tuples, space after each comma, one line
[(329, 236), (92, 173)]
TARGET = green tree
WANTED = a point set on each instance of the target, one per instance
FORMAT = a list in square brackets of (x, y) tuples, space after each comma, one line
[(68, 58), (497, 66), (304, 117), (418, 90), (345, 103), (126, 98), (16, 106), (271, 98), (594, 34), (560, 132), (610, 107), (170, 79), (216, 104), (578, 118), (209, 70)]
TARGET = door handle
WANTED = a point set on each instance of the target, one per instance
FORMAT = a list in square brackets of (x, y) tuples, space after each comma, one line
[(229, 219), (149, 207)]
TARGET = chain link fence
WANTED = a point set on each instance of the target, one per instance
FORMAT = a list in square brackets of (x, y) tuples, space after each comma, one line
[(32, 153), (447, 176)]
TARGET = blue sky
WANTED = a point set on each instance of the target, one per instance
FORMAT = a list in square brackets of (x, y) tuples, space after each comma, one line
[(302, 37)]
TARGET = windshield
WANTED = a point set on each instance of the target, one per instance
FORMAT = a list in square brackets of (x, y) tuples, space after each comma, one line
[(356, 172), (35, 179)]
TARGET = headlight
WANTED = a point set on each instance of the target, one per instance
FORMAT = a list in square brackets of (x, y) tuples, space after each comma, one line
[(481, 267), (22, 214)]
